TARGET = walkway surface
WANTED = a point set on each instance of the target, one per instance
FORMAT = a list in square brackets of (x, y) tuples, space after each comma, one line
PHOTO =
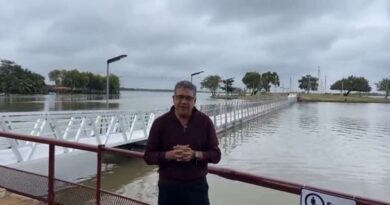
[(8, 198)]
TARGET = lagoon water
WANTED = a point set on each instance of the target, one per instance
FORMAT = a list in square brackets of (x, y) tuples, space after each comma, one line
[(133, 101), (337, 146), (342, 147)]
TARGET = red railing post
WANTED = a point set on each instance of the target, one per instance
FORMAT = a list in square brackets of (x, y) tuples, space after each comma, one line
[(51, 174), (98, 172)]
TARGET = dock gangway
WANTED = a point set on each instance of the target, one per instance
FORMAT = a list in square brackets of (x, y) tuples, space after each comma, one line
[(109, 128)]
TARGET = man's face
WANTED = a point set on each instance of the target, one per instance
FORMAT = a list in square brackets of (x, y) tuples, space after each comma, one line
[(184, 101)]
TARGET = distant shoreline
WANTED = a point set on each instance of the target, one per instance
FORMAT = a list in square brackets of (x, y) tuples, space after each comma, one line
[(154, 90), (145, 89), (340, 99)]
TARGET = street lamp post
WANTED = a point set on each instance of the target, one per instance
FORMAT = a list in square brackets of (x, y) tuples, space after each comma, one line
[(197, 73), (111, 60), (226, 89), (387, 88)]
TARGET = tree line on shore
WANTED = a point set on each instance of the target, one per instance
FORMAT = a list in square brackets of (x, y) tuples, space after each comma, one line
[(84, 82), (14, 79), (18, 80), (255, 82)]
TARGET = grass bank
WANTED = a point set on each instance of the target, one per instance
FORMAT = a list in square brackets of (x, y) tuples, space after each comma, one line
[(339, 98), (258, 97)]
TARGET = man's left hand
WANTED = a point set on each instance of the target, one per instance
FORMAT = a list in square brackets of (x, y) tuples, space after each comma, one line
[(187, 152)]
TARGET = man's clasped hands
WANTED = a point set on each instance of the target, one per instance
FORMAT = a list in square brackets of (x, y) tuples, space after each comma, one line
[(180, 153)]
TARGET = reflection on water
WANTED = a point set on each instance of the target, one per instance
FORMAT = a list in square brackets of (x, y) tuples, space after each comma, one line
[(308, 118), (27, 103), (131, 101)]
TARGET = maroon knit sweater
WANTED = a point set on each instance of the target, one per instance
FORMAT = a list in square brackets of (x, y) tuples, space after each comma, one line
[(167, 132)]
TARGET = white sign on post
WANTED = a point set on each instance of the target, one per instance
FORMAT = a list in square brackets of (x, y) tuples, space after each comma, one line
[(309, 197)]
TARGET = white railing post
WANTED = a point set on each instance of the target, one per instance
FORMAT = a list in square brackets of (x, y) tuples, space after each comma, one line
[(235, 113), (70, 124), (241, 112), (134, 119), (43, 124), (109, 128), (123, 129), (78, 133), (36, 125), (15, 150), (95, 130), (225, 113), (215, 116)]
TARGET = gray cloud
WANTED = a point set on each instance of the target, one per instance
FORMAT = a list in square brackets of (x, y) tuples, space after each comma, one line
[(166, 41)]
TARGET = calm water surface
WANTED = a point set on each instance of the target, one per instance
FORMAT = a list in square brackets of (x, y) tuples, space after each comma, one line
[(343, 147), (132, 101)]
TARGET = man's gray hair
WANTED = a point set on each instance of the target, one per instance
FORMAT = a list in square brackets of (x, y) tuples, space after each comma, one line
[(185, 84)]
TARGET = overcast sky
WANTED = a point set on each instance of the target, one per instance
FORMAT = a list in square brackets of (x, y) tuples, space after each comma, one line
[(166, 41)]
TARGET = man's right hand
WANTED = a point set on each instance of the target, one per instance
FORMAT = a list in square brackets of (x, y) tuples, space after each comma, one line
[(179, 153), (175, 154)]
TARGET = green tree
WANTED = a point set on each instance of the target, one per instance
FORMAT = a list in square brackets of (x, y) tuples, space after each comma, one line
[(228, 85), (79, 79), (99, 82), (96, 83), (56, 76), (269, 78), (15, 79), (384, 85), (114, 84), (84, 82), (211, 82), (308, 83), (352, 83), (67, 79), (252, 81)]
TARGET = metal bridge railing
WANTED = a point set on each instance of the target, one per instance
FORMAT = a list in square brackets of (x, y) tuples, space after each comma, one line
[(93, 127), (226, 115), (111, 128), (64, 192)]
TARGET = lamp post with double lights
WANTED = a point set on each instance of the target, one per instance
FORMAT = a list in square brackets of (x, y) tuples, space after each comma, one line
[(111, 60), (197, 73)]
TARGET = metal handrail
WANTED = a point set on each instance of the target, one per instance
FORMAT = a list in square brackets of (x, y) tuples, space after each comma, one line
[(280, 185), (285, 186), (231, 174), (58, 180)]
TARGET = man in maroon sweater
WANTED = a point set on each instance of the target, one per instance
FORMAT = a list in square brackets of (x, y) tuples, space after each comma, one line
[(181, 142)]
